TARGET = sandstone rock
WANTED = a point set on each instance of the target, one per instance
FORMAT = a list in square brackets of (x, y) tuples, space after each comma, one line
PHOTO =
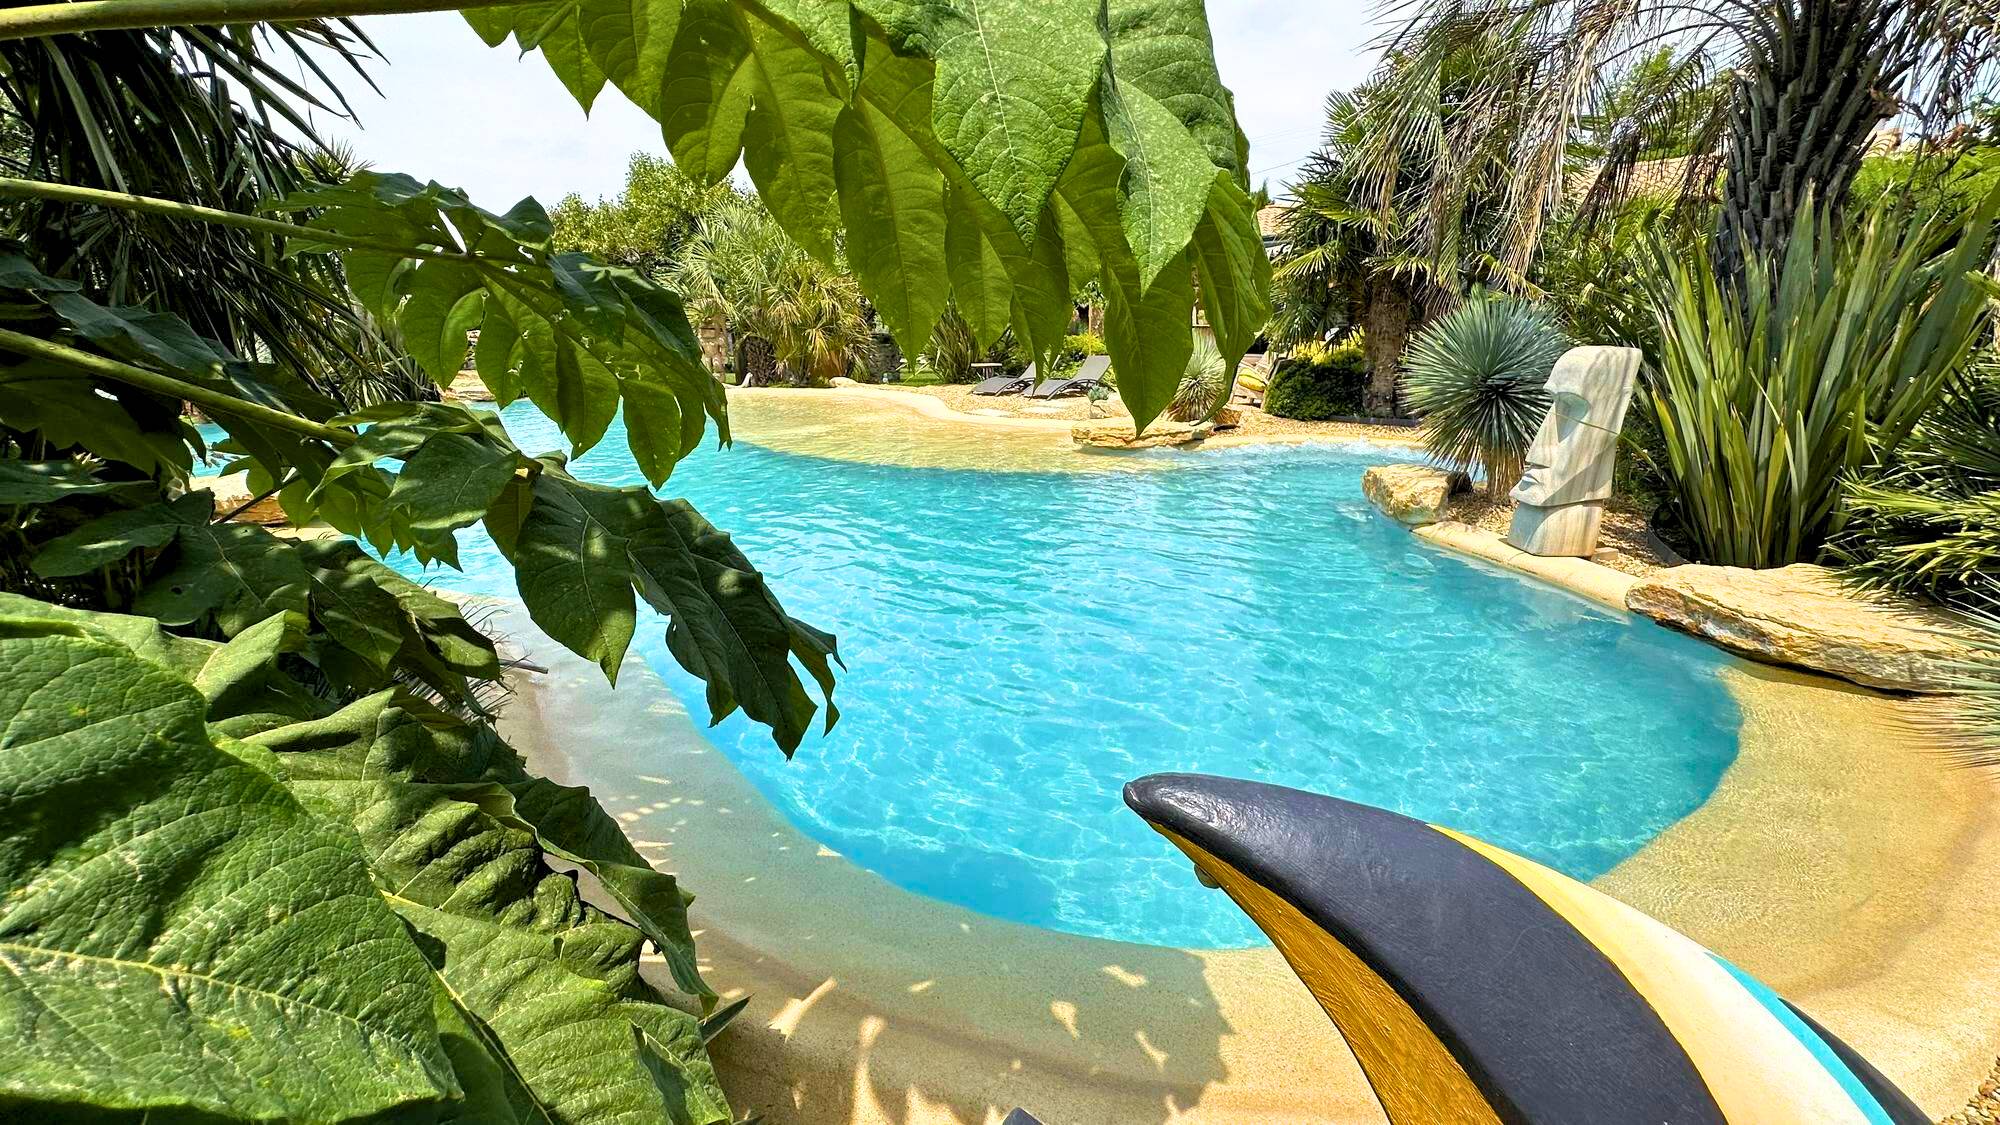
[(1803, 615), (1415, 495), (467, 386), (1228, 418), (841, 381), (232, 491), (1119, 435)]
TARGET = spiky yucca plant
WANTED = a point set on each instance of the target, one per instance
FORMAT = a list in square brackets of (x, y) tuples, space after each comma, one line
[(1476, 376), (1818, 366), (1204, 385)]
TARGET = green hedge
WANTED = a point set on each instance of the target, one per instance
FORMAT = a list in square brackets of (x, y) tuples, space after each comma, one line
[(1314, 390)]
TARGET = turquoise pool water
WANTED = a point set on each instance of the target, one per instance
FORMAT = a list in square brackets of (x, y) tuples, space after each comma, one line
[(212, 464), (1019, 645)]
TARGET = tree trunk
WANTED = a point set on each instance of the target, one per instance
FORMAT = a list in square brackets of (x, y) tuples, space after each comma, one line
[(1387, 332), (1812, 92), (756, 361)]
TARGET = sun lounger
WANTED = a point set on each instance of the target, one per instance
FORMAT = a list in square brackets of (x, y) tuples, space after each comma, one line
[(1006, 384), (1089, 375)]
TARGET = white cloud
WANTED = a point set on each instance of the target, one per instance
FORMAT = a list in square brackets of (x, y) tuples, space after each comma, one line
[(456, 111)]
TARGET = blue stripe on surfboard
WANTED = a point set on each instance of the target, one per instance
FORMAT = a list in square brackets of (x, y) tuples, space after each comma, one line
[(1856, 1090)]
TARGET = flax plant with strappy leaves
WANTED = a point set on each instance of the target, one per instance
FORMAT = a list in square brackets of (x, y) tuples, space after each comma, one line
[(1769, 396)]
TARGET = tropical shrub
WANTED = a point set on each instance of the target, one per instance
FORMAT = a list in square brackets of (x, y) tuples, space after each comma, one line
[(1082, 345), (954, 350), (1803, 87), (1588, 271), (1204, 386), (1927, 521), (1319, 382), (206, 118), (361, 922), (1476, 377), (1970, 718), (644, 226), (1818, 366), (1385, 223), (739, 269)]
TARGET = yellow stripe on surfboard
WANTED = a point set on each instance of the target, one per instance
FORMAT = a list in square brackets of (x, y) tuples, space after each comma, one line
[(1757, 1071)]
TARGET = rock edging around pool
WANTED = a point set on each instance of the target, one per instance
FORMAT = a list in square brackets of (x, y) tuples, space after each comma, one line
[(1798, 616), (1831, 862), (1803, 615)]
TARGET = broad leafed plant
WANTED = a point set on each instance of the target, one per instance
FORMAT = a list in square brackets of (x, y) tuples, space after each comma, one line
[(264, 861)]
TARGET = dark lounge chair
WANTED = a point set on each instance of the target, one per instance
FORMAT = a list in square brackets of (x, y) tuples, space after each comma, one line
[(1087, 376), (1006, 384)]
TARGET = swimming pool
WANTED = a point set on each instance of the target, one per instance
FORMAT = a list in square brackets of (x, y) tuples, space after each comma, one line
[(211, 465), (1020, 644)]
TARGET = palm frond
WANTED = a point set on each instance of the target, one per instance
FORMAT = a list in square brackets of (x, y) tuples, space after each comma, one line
[(209, 116)]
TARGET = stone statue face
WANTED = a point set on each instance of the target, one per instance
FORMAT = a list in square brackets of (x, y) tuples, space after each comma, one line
[(1571, 457)]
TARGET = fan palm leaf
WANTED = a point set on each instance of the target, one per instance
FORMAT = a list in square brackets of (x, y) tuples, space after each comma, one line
[(191, 114)]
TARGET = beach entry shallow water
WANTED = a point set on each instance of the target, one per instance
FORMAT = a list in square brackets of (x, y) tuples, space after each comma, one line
[(1019, 644)]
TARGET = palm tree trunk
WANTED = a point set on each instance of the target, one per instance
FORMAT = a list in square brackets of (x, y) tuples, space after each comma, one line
[(1387, 328), (756, 361), (1803, 109)]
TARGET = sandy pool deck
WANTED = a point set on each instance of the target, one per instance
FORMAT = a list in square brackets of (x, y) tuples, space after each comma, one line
[(1839, 860)]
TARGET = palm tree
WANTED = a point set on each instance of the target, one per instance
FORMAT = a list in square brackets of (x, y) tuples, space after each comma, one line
[(739, 270), (193, 114), (1806, 83), (1388, 223), (644, 227)]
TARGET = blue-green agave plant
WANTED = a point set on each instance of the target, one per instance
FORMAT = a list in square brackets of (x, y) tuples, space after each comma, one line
[(1476, 377)]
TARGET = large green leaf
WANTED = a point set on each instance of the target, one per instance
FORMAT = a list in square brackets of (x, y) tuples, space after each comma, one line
[(548, 982), (1147, 329), (572, 334), (1234, 268), (630, 39), (578, 1043), (570, 824), (726, 627), (893, 203), (788, 140), (451, 481), (119, 534), (1163, 48), (571, 566), (1013, 80), (1164, 185), (167, 906), (44, 482), (120, 424), (1148, 335), (979, 281), (583, 549), (708, 89)]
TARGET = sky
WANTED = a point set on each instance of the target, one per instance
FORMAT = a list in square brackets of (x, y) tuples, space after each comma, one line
[(456, 111)]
